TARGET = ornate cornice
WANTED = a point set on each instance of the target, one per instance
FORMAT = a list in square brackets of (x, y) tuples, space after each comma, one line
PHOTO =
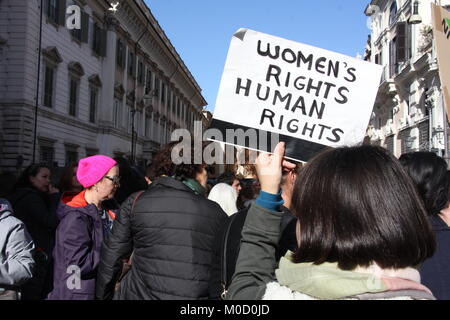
[(52, 54), (76, 68), (95, 80)]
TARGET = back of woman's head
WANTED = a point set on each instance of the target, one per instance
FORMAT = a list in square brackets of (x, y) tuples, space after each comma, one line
[(226, 196), (357, 206), (429, 173), (31, 171), (177, 159)]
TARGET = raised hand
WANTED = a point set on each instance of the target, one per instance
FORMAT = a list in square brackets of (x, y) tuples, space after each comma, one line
[(269, 168)]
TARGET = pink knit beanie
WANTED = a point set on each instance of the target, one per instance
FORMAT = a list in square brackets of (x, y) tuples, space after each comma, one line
[(92, 169)]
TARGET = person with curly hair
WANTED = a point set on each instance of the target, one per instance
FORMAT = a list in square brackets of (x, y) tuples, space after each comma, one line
[(170, 228)]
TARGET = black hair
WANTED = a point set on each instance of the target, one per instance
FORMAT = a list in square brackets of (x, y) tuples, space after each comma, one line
[(357, 206), (227, 177), (31, 171), (131, 180), (429, 173)]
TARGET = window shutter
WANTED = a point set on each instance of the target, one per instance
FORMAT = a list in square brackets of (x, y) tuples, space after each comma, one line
[(84, 27), (62, 12), (103, 39), (392, 57), (401, 42)]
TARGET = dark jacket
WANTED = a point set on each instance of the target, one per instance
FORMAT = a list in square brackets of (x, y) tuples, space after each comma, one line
[(231, 241), (77, 251), (16, 248), (259, 276), (38, 212), (172, 232), (435, 272)]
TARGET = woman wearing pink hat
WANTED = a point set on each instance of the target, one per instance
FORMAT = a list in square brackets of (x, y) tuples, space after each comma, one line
[(84, 219)]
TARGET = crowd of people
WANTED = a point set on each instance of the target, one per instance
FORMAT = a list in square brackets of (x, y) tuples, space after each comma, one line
[(353, 223)]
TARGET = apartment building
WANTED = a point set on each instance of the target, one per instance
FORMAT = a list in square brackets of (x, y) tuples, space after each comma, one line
[(113, 86), (409, 113)]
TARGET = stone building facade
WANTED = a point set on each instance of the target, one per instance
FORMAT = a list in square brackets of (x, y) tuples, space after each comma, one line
[(409, 113), (115, 86)]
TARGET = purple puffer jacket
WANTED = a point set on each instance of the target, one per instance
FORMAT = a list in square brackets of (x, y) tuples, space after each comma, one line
[(77, 251)]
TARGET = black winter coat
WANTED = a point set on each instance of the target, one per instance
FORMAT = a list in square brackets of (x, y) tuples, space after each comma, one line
[(434, 272), (171, 232), (230, 242), (38, 212)]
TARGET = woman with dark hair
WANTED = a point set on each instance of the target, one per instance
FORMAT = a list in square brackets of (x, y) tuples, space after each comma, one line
[(68, 181), (34, 201), (171, 227), (131, 180), (429, 173), (361, 230)]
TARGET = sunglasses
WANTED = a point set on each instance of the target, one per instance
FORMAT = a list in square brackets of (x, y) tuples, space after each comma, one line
[(115, 179)]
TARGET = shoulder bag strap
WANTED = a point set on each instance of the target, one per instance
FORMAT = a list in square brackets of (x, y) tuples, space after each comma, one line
[(224, 247)]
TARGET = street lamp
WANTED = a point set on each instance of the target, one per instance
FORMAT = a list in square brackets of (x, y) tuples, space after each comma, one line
[(438, 132), (415, 18)]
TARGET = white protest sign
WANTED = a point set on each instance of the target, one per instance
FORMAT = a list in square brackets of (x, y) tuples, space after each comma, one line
[(311, 97)]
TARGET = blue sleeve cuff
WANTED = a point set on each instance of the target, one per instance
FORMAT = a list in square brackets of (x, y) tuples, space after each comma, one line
[(270, 201)]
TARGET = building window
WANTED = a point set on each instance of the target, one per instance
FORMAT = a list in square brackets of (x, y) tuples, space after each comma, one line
[(71, 156), (147, 123), (390, 144), (393, 64), (76, 34), (148, 85), (117, 113), (93, 105), (156, 87), (73, 96), (82, 34), (141, 73), (49, 82), (163, 92), (53, 10), (174, 101), (379, 58), (403, 45), (46, 155), (393, 13), (99, 40), (131, 63), (169, 102), (120, 54)]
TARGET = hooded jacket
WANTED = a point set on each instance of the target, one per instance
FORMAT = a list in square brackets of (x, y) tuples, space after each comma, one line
[(77, 250), (257, 275), (172, 231), (16, 251)]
